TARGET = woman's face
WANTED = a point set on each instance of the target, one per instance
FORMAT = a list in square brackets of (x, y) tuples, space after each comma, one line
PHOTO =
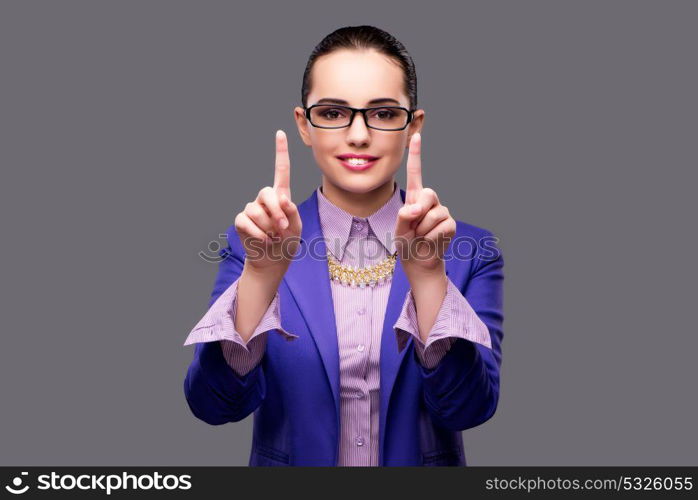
[(357, 77)]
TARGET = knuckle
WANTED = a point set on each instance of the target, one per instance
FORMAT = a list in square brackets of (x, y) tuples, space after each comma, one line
[(241, 228), (251, 209), (257, 211)]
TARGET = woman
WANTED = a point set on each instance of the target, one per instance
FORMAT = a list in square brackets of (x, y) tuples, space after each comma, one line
[(352, 325)]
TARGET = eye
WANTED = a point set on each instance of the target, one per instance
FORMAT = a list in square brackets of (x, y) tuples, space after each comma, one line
[(333, 113), (384, 113)]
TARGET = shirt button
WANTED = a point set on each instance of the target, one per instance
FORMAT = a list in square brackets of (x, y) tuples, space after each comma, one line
[(358, 395), (360, 348), (359, 441), (359, 225), (361, 311)]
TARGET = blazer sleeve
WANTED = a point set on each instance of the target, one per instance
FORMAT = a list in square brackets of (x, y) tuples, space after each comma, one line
[(462, 390), (214, 391)]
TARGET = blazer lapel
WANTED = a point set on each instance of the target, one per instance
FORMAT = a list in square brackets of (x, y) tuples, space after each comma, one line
[(308, 280), (391, 359)]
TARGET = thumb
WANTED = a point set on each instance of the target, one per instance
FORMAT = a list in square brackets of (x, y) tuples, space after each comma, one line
[(406, 217), (291, 210)]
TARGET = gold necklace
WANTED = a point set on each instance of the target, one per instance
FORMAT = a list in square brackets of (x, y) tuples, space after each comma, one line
[(355, 276)]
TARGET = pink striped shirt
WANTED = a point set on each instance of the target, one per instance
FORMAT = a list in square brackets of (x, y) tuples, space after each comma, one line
[(359, 314)]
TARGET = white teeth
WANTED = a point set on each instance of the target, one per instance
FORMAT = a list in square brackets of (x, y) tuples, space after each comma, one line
[(356, 161)]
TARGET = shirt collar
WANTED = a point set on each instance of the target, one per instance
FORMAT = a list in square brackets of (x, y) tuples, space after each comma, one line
[(336, 222)]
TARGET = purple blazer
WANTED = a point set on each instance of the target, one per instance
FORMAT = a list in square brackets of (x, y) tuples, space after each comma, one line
[(294, 391)]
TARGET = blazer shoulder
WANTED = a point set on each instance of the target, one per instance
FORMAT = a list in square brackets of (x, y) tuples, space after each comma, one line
[(475, 244), (466, 229)]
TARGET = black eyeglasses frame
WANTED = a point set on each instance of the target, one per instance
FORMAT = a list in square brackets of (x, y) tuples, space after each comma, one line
[(410, 115)]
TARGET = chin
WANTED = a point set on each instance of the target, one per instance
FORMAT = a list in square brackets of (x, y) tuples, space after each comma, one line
[(361, 183)]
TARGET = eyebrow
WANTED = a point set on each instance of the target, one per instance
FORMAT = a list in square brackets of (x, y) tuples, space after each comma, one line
[(379, 100)]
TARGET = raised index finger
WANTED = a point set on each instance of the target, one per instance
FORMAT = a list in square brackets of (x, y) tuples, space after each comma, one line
[(414, 169), (282, 168)]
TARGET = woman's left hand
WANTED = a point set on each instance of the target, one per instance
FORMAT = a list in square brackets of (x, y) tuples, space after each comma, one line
[(424, 227)]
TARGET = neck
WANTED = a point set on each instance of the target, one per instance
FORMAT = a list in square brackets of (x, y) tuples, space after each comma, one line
[(358, 204)]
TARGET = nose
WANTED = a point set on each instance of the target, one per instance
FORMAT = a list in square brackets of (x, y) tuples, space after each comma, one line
[(358, 133)]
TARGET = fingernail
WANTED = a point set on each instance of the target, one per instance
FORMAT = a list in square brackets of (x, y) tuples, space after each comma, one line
[(284, 224), (414, 209)]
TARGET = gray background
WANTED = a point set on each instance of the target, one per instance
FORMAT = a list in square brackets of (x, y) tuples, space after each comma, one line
[(133, 132)]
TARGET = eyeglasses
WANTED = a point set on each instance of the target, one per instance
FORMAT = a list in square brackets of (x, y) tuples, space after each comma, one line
[(379, 118)]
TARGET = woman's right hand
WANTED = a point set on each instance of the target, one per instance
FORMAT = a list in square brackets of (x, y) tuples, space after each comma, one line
[(270, 226)]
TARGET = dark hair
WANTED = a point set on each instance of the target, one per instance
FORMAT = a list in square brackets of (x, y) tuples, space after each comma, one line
[(362, 38)]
